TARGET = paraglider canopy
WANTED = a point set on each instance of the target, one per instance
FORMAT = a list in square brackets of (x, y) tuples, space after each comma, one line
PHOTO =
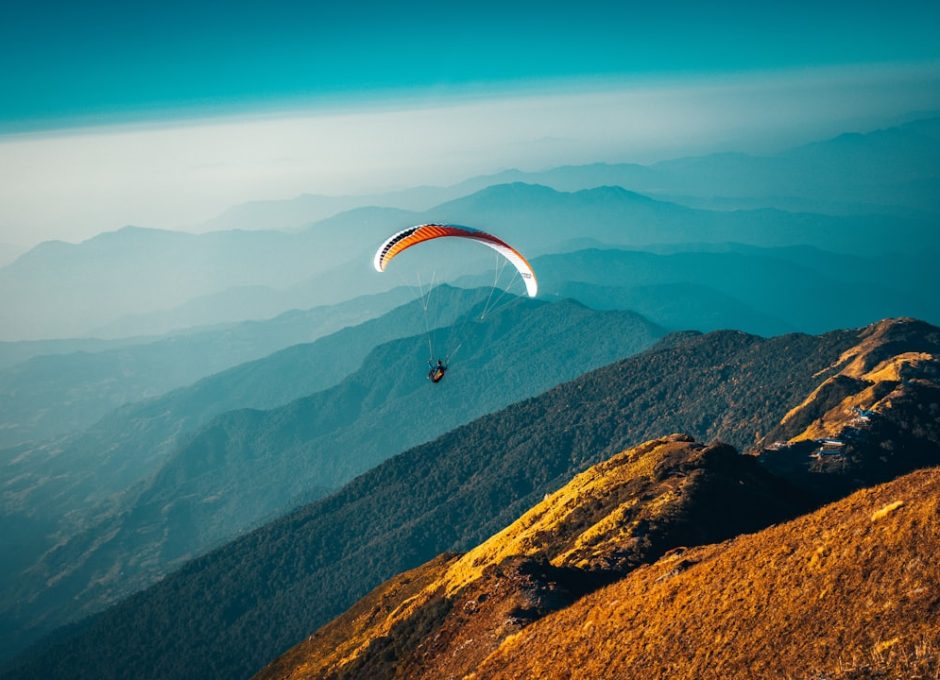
[(412, 236)]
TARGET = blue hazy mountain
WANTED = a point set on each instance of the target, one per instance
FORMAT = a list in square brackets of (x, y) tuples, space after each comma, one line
[(61, 289), (51, 395), (245, 466), (884, 171), (888, 176), (539, 219), (301, 211), (67, 289), (760, 290), (679, 306), (888, 171), (18, 351), (55, 486)]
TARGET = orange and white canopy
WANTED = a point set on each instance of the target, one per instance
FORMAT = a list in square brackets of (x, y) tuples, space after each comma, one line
[(427, 232)]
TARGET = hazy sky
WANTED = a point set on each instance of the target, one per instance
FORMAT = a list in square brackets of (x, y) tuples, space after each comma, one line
[(165, 114)]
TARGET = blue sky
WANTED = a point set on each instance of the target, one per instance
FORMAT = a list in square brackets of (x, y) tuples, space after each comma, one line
[(65, 63)]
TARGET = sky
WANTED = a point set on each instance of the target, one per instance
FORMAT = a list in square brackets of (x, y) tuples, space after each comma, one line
[(164, 114)]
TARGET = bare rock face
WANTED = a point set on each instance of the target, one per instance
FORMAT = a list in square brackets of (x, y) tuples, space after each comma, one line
[(874, 416)]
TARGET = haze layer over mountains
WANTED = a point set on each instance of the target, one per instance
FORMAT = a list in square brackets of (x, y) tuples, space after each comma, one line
[(882, 187)]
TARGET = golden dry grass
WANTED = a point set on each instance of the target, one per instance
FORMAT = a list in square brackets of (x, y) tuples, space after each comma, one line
[(620, 513), (559, 520), (553, 526), (877, 367), (863, 357), (886, 510), (832, 594)]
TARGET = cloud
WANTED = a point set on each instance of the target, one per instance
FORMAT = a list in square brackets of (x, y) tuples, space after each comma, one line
[(71, 184)]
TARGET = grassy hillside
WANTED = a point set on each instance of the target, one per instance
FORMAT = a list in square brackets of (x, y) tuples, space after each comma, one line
[(620, 514), (880, 408), (850, 591)]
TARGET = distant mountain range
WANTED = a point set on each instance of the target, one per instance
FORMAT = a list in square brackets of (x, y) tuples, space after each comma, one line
[(703, 287), (53, 394), (689, 306), (293, 575), (338, 267), (19, 351), (534, 218), (213, 478), (61, 290), (769, 291), (144, 281), (882, 171)]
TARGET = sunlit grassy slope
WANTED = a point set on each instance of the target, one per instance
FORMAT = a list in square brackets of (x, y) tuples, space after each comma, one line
[(850, 591), (617, 515)]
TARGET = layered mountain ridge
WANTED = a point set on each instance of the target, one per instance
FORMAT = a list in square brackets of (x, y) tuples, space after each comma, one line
[(55, 393), (295, 574), (57, 288), (215, 475), (520, 604)]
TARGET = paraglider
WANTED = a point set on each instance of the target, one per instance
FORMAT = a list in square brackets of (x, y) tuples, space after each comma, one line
[(407, 238), (436, 374), (412, 236)]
